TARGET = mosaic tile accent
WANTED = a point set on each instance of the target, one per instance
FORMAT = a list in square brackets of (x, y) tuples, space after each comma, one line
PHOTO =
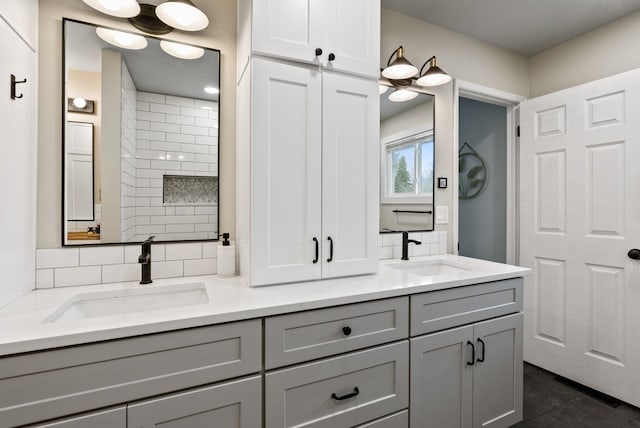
[(189, 190)]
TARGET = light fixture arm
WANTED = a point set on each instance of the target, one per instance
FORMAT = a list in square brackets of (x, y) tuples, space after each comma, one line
[(399, 52), (432, 63)]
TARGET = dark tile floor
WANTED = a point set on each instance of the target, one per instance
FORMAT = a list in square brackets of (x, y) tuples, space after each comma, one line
[(551, 404)]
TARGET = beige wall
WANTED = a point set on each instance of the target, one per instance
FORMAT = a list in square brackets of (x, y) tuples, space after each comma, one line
[(463, 58), (221, 34), (603, 52)]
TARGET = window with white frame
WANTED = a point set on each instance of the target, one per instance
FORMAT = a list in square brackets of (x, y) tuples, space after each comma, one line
[(409, 169)]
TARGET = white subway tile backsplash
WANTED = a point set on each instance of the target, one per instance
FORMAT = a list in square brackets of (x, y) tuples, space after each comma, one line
[(209, 250), (184, 251), (391, 239), (57, 257), (396, 251), (71, 276), (44, 278), (163, 127), (170, 269), (385, 253), (195, 112), (194, 130), (121, 273), (131, 253), (200, 267), (101, 256)]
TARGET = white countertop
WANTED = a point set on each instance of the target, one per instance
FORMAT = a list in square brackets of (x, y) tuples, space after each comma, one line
[(22, 328)]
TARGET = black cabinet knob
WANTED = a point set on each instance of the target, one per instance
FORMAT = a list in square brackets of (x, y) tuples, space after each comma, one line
[(346, 330), (332, 56), (318, 51), (634, 254)]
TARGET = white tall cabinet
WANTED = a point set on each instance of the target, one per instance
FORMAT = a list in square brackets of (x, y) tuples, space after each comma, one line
[(18, 163), (307, 139)]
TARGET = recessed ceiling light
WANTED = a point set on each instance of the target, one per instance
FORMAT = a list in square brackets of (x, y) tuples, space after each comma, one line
[(119, 8), (211, 90), (183, 15), (122, 39), (181, 51)]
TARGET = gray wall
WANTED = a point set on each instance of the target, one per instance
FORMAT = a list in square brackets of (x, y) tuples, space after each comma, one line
[(483, 219)]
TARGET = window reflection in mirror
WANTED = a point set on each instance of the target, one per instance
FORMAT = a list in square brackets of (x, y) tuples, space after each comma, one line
[(407, 163), (153, 164)]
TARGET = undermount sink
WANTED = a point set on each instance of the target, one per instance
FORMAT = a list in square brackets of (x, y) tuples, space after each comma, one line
[(430, 267), (121, 302)]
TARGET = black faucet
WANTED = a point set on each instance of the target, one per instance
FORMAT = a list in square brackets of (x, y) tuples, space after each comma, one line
[(405, 245), (145, 260)]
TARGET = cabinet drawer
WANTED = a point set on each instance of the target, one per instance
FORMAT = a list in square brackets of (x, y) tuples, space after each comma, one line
[(110, 418), (304, 336), (233, 404), (315, 394), (46, 385), (397, 420), (443, 309)]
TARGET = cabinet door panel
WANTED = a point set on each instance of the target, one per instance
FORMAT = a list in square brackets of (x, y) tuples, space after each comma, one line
[(23, 17), (441, 379), (353, 36), (288, 28), (285, 181), (111, 418), (350, 157), (497, 381), (233, 404)]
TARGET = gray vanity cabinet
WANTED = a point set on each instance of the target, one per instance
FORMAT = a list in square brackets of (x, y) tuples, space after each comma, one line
[(469, 376)]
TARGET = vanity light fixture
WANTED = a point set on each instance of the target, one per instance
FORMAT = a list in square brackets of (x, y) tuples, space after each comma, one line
[(79, 102), (118, 8), (122, 39), (156, 20), (179, 50), (434, 76), (399, 68), (401, 95), (182, 14), (382, 89)]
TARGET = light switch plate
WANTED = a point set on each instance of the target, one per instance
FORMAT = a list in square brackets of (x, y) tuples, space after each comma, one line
[(442, 214)]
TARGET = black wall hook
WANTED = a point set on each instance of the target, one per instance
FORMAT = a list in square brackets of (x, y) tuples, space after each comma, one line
[(14, 82)]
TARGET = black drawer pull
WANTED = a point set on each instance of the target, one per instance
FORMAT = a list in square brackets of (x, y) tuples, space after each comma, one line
[(318, 51), (473, 353), (346, 330), (332, 57), (355, 392), (317, 250), (481, 359), (330, 259)]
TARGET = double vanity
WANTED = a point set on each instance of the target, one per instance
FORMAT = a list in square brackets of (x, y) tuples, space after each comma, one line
[(435, 339)]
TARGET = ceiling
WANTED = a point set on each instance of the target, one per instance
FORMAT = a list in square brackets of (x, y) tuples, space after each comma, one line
[(527, 27), (151, 69)]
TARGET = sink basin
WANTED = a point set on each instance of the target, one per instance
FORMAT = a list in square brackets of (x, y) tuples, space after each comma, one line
[(121, 302), (431, 267)]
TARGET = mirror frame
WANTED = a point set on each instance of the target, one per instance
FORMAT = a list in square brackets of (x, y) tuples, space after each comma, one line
[(420, 90), (63, 96)]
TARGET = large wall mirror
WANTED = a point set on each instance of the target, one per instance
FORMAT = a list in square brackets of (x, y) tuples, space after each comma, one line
[(140, 138), (407, 159)]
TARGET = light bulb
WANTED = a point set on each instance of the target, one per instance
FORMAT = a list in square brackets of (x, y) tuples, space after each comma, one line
[(79, 102), (181, 51), (122, 39), (119, 8), (182, 15), (211, 90), (402, 95)]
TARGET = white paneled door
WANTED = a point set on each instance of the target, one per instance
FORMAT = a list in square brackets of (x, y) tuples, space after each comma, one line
[(580, 217)]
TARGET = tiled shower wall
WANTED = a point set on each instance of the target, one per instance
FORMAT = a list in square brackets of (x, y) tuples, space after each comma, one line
[(128, 158), (64, 267), (174, 136)]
